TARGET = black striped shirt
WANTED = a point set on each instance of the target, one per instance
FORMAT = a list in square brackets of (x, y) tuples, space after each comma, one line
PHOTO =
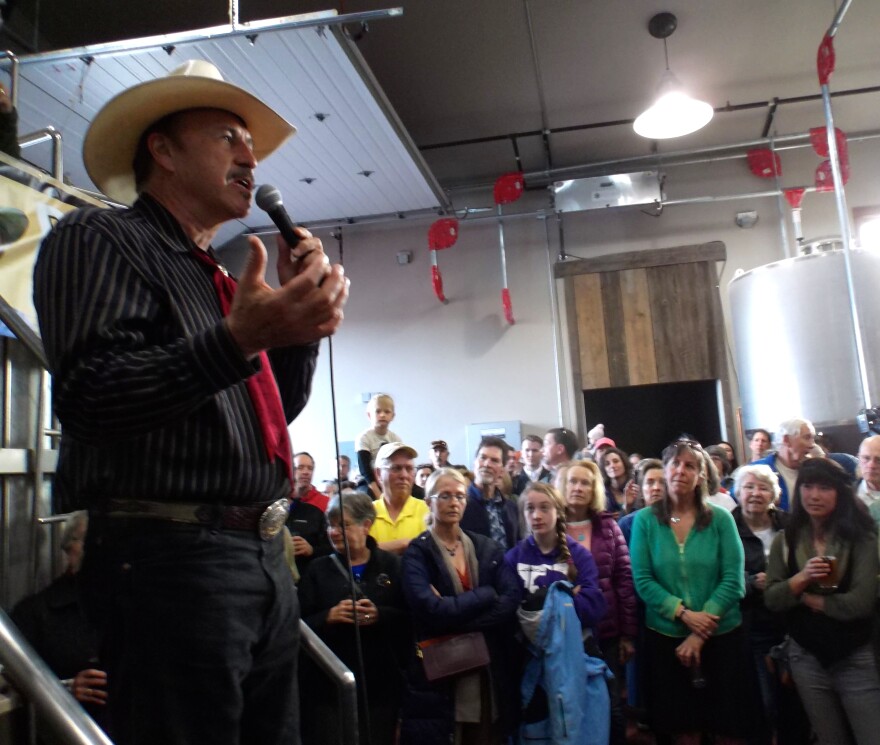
[(148, 384)]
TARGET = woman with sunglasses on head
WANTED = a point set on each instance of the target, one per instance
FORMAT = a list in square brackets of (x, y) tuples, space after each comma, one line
[(687, 564), (823, 575), (457, 582)]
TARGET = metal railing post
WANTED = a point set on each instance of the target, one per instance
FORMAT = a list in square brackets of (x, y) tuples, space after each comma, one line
[(54, 706), (41, 135), (13, 75), (340, 675)]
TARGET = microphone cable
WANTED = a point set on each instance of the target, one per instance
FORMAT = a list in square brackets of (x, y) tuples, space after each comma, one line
[(360, 678), (268, 198)]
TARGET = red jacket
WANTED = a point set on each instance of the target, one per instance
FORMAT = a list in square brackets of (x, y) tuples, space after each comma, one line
[(318, 499)]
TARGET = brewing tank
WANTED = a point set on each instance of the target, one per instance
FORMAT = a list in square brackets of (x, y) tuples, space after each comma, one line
[(794, 343)]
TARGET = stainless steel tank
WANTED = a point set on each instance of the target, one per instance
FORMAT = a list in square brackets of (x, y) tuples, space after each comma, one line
[(793, 335)]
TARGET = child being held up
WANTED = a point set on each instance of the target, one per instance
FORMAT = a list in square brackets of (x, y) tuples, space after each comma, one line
[(380, 412)]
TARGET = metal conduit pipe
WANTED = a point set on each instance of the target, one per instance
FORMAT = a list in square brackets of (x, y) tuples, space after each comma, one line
[(729, 197), (37, 475), (55, 707), (780, 206), (5, 491), (43, 135), (843, 212), (539, 214), (341, 675), (13, 75), (555, 322), (729, 108), (694, 156), (681, 157), (539, 81)]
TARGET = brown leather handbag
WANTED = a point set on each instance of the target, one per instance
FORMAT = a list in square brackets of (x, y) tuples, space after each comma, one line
[(455, 654)]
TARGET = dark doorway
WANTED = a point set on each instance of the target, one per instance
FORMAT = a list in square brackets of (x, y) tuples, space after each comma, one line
[(646, 418)]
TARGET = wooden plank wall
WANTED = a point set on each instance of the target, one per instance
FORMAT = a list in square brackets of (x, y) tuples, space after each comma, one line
[(647, 317)]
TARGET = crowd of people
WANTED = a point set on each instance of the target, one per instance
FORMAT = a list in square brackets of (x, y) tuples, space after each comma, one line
[(749, 624), (668, 562), (507, 598)]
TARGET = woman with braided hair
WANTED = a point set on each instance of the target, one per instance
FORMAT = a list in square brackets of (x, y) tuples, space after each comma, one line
[(544, 557)]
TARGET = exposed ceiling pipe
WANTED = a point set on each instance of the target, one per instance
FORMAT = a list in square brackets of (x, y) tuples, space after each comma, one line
[(729, 108), (693, 156), (548, 155), (539, 214)]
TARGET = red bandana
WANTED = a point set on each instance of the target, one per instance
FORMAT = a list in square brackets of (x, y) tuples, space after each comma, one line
[(262, 387)]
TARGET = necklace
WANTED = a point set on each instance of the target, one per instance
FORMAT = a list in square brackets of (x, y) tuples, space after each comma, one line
[(451, 551), (675, 520)]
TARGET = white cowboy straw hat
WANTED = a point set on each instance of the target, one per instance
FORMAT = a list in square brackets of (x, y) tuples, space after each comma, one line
[(112, 138)]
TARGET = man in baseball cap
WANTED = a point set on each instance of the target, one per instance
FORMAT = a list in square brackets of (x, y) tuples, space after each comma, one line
[(400, 517), (440, 454), (175, 386)]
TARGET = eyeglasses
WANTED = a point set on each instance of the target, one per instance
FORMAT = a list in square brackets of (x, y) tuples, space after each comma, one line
[(445, 496)]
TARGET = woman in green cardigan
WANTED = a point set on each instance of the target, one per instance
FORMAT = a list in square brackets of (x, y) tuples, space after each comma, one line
[(687, 563), (823, 575)]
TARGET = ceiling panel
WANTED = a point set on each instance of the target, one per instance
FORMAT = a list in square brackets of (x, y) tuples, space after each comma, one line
[(458, 70), (350, 157)]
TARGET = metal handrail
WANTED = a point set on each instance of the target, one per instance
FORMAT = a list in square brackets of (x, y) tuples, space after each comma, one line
[(54, 705), (41, 135), (340, 675), (13, 75), (23, 332), (67, 719)]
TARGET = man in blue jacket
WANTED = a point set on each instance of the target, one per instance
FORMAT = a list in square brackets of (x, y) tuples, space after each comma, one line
[(488, 512), (794, 439)]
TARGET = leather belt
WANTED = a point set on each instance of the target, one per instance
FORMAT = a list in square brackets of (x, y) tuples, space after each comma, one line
[(265, 518)]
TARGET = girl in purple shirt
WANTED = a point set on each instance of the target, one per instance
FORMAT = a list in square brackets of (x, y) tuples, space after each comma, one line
[(548, 555)]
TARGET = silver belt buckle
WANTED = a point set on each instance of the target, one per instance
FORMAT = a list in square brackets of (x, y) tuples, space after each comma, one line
[(273, 518)]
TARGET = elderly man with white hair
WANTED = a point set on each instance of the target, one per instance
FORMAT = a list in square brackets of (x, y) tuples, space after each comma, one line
[(793, 441), (869, 467)]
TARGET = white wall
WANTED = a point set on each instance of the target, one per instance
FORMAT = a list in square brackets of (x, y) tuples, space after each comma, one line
[(448, 366)]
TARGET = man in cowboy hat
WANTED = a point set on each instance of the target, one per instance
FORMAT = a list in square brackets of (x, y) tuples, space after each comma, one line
[(175, 388)]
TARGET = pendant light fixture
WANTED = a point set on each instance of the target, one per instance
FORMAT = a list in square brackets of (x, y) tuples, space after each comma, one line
[(673, 113)]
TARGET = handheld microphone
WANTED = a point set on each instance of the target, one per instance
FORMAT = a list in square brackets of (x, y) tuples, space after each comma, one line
[(269, 200)]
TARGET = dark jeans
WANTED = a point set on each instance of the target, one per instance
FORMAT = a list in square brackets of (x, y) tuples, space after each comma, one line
[(200, 630)]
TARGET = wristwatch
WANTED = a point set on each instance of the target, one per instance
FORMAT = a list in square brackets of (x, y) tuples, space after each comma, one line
[(681, 611)]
